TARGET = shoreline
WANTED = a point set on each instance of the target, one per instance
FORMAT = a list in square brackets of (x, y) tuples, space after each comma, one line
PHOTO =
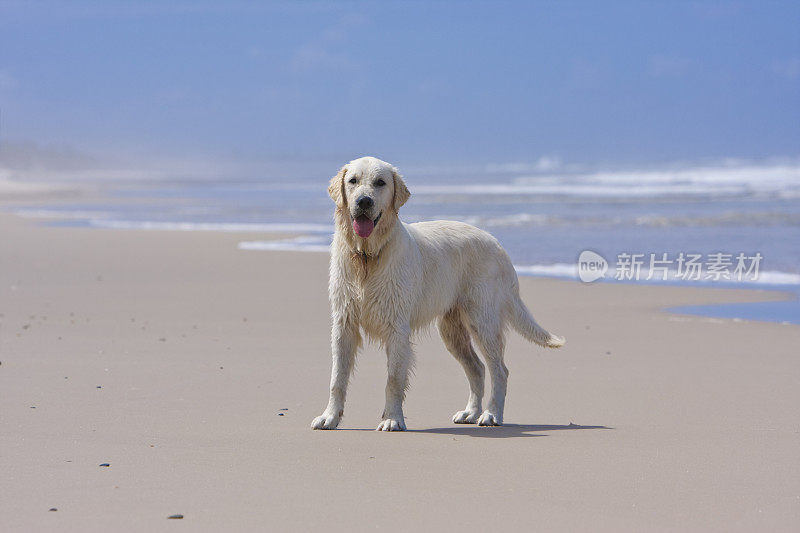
[(289, 237), (286, 238)]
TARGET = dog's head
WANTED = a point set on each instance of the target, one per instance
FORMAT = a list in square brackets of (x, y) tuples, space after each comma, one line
[(368, 192)]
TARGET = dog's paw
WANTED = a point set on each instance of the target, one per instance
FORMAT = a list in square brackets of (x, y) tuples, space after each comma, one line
[(489, 419), (466, 417), (392, 424), (325, 421)]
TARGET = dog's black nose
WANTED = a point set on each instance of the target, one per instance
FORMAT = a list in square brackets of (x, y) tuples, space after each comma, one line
[(365, 202)]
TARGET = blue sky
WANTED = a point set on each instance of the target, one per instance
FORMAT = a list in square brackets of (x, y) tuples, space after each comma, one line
[(423, 82)]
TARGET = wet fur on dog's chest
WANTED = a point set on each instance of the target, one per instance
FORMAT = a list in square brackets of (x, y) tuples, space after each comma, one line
[(378, 303)]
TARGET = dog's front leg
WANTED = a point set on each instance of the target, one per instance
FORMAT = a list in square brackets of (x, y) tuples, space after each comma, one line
[(345, 340), (400, 358)]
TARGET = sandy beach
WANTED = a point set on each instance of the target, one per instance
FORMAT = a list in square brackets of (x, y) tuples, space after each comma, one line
[(193, 370)]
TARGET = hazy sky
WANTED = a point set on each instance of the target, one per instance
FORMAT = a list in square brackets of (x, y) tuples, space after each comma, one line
[(438, 82)]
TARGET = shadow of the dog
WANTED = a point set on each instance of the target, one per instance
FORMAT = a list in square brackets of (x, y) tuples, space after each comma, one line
[(501, 432), (505, 431)]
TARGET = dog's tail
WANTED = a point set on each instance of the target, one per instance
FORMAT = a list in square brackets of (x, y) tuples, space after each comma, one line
[(523, 322)]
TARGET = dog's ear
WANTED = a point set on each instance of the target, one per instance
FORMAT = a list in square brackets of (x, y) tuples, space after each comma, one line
[(336, 188), (401, 194)]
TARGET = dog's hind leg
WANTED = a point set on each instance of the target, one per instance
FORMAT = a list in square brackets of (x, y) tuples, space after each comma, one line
[(456, 338), (488, 334)]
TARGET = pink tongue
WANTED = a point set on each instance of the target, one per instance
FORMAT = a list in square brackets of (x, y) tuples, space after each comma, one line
[(363, 226)]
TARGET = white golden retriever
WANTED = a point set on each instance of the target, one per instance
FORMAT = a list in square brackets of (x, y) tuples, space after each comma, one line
[(390, 279)]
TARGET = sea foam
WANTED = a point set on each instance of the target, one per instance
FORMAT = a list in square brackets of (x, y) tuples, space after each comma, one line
[(781, 181)]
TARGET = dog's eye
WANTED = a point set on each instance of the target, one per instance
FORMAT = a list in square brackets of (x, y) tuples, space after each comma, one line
[(380, 183), (352, 180)]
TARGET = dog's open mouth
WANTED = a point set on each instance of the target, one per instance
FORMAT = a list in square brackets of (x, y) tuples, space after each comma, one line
[(363, 225)]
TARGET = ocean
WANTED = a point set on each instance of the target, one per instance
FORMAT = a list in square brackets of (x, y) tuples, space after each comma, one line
[(544, 217)]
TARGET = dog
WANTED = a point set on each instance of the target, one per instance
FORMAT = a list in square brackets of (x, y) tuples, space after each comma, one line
[(389, 279)]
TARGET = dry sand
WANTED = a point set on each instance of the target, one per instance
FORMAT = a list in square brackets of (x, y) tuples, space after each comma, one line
[(170, 356)]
